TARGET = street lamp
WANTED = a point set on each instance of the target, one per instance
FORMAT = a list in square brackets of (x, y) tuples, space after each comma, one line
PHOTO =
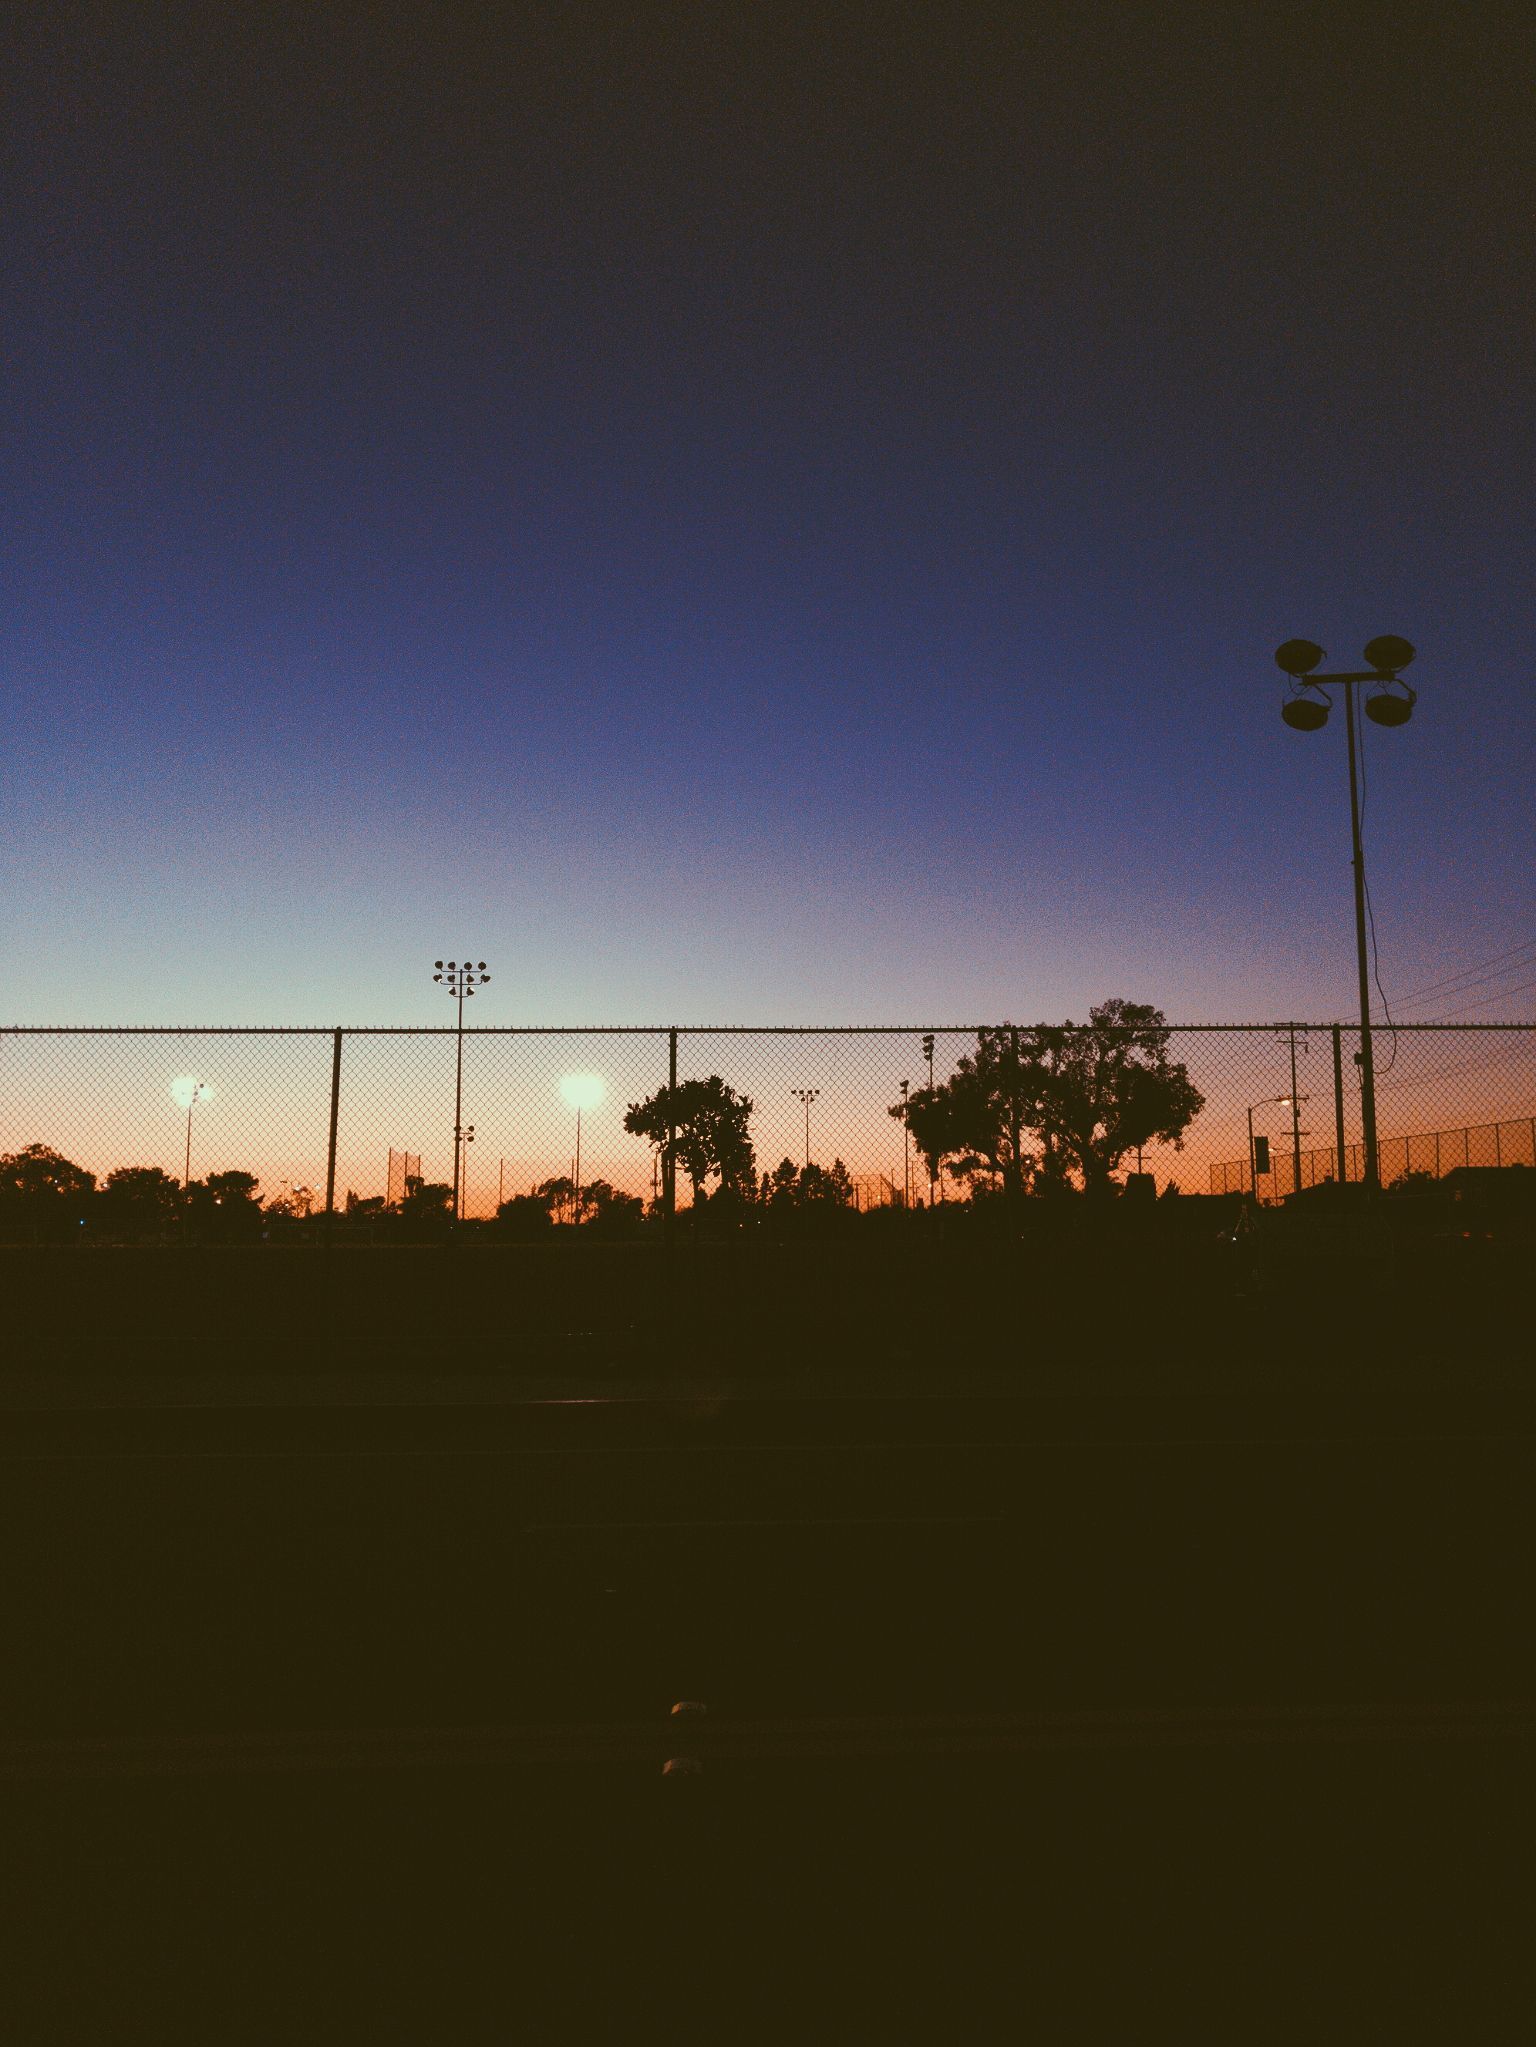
[(582, 1091), (460, 980), (806, 1095), (1275, 1101), (187, 1091), (1306, 709)]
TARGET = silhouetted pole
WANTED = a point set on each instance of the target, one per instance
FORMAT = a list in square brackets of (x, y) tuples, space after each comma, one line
[(1295, 1120), (669, 1157), (1367, 1055), (330, 1149), (906, 1149), (928, 1055), (460, 981), (1338, 1104), (806, 1095), (1392, 705), (200, 1092)]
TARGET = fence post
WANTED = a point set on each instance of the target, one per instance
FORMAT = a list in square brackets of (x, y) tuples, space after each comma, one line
[(330, 1150), (1338, 1104), (669, 1157)]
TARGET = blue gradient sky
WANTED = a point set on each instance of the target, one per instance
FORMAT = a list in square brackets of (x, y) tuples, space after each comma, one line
[(739, 525)]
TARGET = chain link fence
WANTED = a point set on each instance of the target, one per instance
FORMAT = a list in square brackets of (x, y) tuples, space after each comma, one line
[(368, 1123)]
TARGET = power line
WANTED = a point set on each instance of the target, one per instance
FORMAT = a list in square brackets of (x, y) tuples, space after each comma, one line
[(1499, 995), (1473, 976)]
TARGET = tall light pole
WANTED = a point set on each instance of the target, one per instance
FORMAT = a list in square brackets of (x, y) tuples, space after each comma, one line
[(1306, 710), (581, 1091), (187, 1091), (805, 1096), (460, 979)]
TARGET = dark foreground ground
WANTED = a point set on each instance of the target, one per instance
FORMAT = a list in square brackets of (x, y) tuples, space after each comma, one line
[(1124, 1690), (1094, 1718)]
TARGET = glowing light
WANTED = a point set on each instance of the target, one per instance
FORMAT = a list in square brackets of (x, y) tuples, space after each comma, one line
[(583, 1090), (187, 1089)]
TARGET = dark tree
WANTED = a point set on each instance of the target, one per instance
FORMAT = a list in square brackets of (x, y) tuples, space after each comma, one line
[(225, 1205), (138, 1201), (559, 1198), (808, 1186), (524, 1218), (976, 1122), (609, 1212), (1107, 1087), (427, 1208), (1087, 1093), (43, 1192), (708, 1122)]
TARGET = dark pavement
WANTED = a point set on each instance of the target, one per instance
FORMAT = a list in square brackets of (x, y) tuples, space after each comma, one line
[(1006, 1697)]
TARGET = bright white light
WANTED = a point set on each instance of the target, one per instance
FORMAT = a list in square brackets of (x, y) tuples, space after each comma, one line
[(583, 1090), (187, 1089)]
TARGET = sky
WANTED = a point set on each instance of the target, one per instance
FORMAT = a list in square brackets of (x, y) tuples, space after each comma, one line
[(739, 518)]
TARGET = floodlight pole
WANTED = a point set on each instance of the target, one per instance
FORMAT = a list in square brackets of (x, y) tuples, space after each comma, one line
[(1367, 1055), (460, 981), (806, 1095), (1299, 659)]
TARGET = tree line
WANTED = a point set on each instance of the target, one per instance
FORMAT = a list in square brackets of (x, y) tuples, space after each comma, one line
[(1032, 1111)]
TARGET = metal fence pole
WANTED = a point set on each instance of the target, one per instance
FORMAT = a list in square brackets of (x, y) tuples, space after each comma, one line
[(1338, 1103), (669, 1158), (330, 1150)]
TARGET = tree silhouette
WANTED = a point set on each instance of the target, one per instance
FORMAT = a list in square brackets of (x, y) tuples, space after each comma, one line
[(1089, 1093), (1109, 1086), (559, 1197), (41, 1190), (39, 1173), (708, 1122), (808, 1186), (225, 1205), (427, 1205), (976, 1122), (140, 1200), (524, 1217), (609, 1212)]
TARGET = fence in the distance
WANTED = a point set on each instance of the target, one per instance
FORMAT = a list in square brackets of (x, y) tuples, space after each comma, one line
[(326, 1118)]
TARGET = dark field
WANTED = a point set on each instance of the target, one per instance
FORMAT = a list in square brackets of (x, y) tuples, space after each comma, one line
[(1089, 1714)]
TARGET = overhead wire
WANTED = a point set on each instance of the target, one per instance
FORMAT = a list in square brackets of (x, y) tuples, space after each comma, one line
[(1472, 977)]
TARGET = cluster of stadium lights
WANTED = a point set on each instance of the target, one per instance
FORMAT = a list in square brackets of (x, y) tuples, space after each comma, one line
[(461, 980), (1307, 708)]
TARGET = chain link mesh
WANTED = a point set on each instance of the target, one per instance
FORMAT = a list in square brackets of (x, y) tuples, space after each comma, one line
[(541, 1113)]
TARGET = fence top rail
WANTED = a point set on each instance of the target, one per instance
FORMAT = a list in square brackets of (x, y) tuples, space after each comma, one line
[(706, 1030)]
